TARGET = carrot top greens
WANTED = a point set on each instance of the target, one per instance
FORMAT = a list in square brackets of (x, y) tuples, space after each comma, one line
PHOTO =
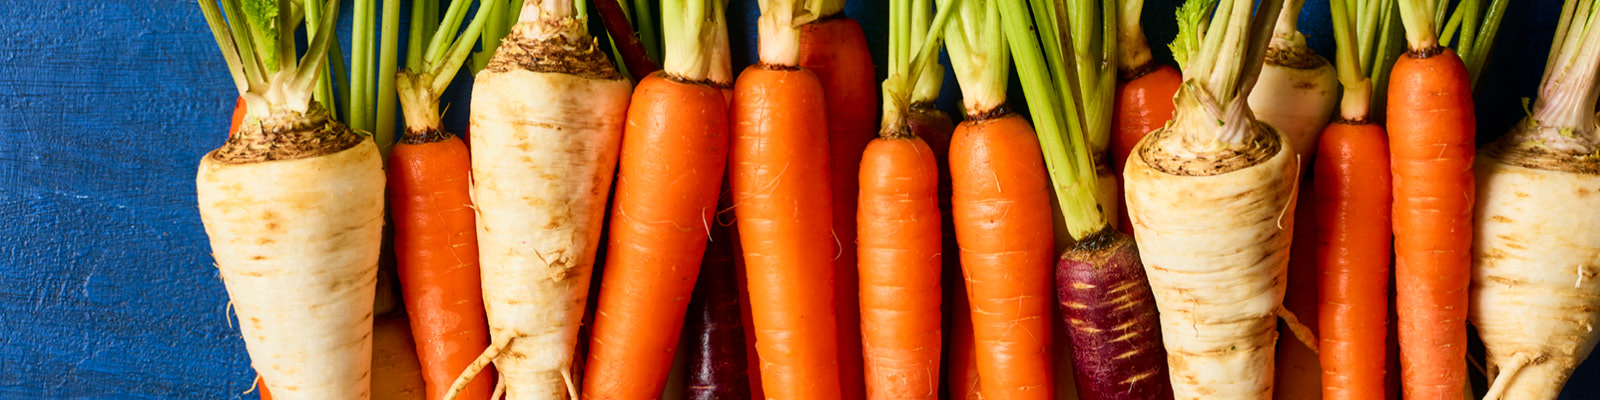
[(269, 81), (978, 53), (1363, 63), (1069, 97), (696, 38), (429, 70), (912, 29), (1477, 27)]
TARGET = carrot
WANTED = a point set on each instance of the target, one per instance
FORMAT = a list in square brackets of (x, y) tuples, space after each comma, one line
[(717, 363), (1533, 296), (1431, 126), (545, 143), (1143, 100), (1431, 117), (779, 175), (834, 48), (238, 116), (396, 373), (436, 241), (962, 378), (1001, 207), (292, 204), (1297, 372), (1352, 255), (746, 320), (899, 221), (437, 254), (666, 199), (1350, 216)]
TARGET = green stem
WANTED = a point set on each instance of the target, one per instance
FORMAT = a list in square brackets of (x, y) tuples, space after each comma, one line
[(442, 39), (230, 52), (361, 81), (1485, 39), (1071, 171), (324, 92), (1419, 25), (446, 71), (255, 73), (644, 21)]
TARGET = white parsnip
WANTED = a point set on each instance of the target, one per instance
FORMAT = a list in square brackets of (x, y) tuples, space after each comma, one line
[(1211, 197), (1535, 299), (296, 242), (1297, 89), (545, 138)]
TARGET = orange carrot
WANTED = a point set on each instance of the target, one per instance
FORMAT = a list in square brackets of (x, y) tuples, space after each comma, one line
[(238, 117), (962, 378), (900, 260), (835, 49), (396, 373), (1352, 254), (780, 185), (436, 253), (1432, 129), (674, 150), (752, 360), (1143, 104), (1001, 202), (261, 386)]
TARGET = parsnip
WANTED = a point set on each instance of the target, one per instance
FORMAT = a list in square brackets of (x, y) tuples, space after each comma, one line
[(293, 207), (1535, 299), (1297, 88), (1211, 197), (547, 117)]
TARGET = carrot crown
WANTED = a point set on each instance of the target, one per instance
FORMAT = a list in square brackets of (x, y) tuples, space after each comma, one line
[(978, 53), (1362, 62), (696, 40), (430, 69), (911, 29), (1563, 118), (260, 55), (1477, 27), (1133, 51), (1069, 98), (779, 29)]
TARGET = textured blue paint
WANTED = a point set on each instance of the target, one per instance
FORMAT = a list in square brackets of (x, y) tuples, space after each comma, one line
[(107, 289)]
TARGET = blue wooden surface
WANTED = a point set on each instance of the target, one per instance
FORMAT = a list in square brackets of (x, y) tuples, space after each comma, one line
[(107, 289)]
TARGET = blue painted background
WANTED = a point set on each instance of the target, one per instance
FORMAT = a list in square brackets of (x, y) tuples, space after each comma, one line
[(107, 289)]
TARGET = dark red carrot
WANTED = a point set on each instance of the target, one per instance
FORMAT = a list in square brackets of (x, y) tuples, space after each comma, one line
[(1111, 319), (717, 363)]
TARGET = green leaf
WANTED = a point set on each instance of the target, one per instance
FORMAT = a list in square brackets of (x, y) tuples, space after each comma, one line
[(1190, 16), (263, 18)]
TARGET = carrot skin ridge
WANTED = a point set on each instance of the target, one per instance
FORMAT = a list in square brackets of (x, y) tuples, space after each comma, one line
[(835, 49), (1351, 225), (779, 175), (1142, 105), (674, 149), (1111, 319), (935, 128), (900, 260), (1432, 128), (436, 254), (752, 360), (1001, 207)]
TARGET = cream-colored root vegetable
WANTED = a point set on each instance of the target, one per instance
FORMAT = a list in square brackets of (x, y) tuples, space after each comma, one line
[(547, 119), (1211, 197), (293, 207), (1298, 89), (296, 241), (1536, 246)]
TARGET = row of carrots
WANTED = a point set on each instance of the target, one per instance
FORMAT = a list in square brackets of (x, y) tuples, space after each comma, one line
[(1132, 237)]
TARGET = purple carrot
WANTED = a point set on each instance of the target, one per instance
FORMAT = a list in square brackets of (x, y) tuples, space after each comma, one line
[(717, 367), (1111, 318)]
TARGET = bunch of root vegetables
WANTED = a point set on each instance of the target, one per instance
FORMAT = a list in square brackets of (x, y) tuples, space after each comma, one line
[(1263, 224)]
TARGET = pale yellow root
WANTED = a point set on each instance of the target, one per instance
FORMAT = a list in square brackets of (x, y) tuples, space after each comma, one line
[(1296, 99), (297, 242), (1536, 251), (544, 150), (1216, 249), (478, 364)]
